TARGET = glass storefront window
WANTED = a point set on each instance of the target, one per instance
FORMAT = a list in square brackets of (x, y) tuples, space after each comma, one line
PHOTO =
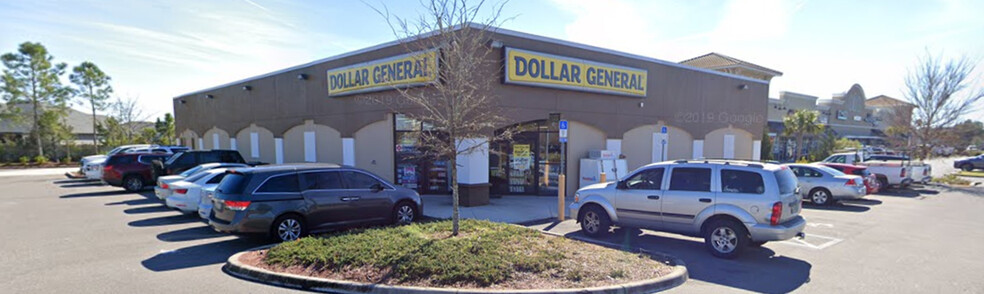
[(530, 164), (414, 170)]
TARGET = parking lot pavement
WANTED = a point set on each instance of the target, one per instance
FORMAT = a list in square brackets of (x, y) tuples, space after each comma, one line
[(917, 240), (67, 236), (70, 236)]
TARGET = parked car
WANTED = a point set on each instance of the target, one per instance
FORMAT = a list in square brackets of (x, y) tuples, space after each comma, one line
[(823, 185), (92, 165), (163, 187), (888, 171), (731, 204), (205, 203), (871, 182), (132, 171), (189, 159), (187, 192), (290, 201), (969, 163)]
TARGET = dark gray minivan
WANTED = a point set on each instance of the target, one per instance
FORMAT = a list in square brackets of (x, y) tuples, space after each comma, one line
[(289, 201)]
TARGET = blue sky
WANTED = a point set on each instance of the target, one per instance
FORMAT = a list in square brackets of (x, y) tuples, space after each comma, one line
[(156, 50)]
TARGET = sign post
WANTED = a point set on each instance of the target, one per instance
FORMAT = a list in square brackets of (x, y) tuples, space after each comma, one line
[(562, 175)]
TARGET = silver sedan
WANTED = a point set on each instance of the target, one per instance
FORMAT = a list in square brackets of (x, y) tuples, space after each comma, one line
[(823, 185)]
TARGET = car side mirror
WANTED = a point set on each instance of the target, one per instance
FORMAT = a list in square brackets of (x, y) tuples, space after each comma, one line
[(620, 185), (376, 187)]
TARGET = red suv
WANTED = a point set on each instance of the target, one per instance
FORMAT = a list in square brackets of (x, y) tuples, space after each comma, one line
[(871, 182), (132, 171)]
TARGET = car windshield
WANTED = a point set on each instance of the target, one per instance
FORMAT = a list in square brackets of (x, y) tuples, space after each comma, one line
[(191, 171), (196, 177), (173, 158), (830, 170)]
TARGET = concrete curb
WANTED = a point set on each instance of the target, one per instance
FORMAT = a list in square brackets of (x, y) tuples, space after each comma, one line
[(251, 273), (965, 189)]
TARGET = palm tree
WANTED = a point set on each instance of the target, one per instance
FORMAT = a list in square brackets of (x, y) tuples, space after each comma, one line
[(801, 123)]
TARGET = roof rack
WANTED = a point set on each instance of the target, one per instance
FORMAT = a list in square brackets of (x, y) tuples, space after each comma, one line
[(727, 161)]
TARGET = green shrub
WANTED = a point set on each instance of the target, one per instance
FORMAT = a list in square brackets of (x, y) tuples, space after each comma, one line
[(66, 159), (24, 159), (40, 159)]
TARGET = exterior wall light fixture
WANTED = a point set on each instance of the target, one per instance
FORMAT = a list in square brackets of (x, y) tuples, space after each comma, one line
[(247, 88), (209, 96), (743, 87), (302, 76), (183, 101), (496, 44)]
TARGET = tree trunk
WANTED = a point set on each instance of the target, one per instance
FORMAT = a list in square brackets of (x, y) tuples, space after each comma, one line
[(37, 129), (453, 162), (799, 146), (95, 134)]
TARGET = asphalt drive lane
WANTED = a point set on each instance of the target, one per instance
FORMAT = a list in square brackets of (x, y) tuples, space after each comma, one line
[(65, 236)]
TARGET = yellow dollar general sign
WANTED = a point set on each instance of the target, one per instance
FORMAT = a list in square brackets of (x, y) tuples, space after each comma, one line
[(546, 70), (407, 70)]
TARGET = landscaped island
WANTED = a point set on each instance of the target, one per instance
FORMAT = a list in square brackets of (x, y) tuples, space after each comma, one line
[(484, 255)]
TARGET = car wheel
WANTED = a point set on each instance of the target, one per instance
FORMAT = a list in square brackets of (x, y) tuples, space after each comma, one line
[(821, 197), (884, 184), (404, 213), (726, 239), (133, 183), (967, 167), (288, 228), (594, 221)]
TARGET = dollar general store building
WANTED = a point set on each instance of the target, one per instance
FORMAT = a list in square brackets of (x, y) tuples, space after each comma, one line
[(337, 110)]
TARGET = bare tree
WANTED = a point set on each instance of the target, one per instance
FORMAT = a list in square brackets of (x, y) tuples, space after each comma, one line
[(939, 90), (460, 108), (128, 114)]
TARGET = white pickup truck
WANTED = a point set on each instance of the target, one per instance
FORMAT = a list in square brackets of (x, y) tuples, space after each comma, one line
[(889, 171)]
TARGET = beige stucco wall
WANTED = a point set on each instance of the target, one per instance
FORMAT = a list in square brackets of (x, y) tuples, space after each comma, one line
[(714, 143), (223, 139), (374, 148), (328, 143), (637, 144), (244, 144), (582, 138), (188, 138)]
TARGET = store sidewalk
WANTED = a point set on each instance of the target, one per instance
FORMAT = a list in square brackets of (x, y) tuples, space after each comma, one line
[(508, 209)]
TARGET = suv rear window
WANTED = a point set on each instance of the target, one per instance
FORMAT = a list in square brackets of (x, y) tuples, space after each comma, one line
[(120, 160), (737, 181), (860, 172), (787, 181), (280, 184), (233, 183)]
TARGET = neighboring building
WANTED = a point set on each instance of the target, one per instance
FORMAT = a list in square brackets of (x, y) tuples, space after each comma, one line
[(848, 115), (298, 115), (890, 112), (79, 122), (731, 65)]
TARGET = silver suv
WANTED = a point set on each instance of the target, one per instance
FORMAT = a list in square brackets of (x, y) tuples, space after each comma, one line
[(732, 204)]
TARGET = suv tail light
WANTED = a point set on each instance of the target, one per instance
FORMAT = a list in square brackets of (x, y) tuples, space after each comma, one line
[(776, 213), (181, 191), (851, 182), (237, 205)]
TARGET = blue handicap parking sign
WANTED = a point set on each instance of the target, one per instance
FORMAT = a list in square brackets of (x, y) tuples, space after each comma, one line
[(662, 130), (563, 125)]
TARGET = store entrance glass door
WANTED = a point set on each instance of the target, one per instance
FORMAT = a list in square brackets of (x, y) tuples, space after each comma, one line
[(522, 172), (529, 164)]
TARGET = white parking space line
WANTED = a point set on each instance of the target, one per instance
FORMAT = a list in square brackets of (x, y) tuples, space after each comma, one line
[(820, 225), (824, 243)]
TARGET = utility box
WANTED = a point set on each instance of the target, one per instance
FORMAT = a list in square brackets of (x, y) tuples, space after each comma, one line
[(601, 166)]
